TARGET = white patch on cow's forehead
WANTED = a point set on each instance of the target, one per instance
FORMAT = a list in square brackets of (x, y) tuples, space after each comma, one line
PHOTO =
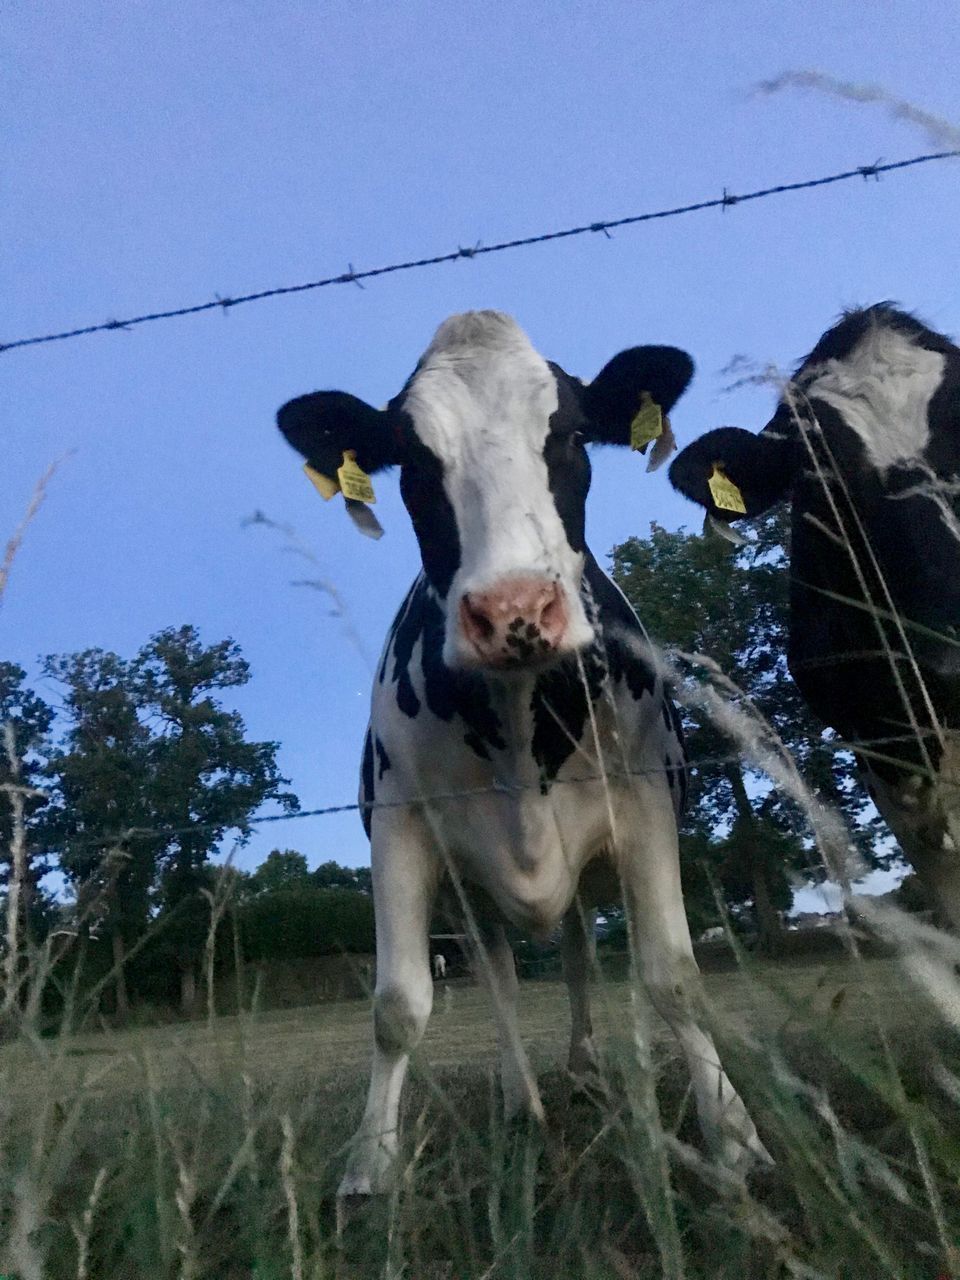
[(480, 373), (883, 391)]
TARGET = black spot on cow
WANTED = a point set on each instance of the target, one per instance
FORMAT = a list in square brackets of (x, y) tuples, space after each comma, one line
[(448, 694), (383, 760), (400, 648), (464, 694), (367, 790), (560, 698), (433, 518), (559, 707), (624, 637)]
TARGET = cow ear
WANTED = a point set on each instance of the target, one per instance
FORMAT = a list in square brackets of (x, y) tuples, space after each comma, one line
[(637, 381), (732, 473), (322, 426)]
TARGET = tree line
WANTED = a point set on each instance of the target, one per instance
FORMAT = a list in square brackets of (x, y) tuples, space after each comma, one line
[(132, 774)]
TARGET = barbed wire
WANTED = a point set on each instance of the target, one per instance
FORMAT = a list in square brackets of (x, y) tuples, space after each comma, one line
[(688, 767), (724, 202)]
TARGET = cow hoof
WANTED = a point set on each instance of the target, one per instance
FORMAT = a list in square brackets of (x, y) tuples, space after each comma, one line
[(583, 1063), (587, 1085), (745, 1156)]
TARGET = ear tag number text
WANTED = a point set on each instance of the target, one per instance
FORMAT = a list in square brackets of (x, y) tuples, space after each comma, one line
[(725, 494), (354, 482), (647, 425)]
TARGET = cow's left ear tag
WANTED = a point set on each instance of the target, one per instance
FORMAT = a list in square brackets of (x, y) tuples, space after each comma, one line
[(354, 481), (648, 423), (325, 486)]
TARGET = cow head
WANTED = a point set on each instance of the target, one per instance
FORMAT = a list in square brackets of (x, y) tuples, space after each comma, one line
[(490, 440)]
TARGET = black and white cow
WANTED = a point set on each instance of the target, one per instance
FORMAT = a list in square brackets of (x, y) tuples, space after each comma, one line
[(865, 445), (510, 684)]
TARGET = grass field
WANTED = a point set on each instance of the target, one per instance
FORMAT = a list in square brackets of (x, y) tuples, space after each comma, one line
[(327, 1040), (214, 1150)]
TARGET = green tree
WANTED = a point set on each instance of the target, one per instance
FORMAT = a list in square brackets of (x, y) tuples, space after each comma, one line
[(280, 869), (698, 595), (103, 813), (331, 875), (208, 779), (289, 923), (25, 721)]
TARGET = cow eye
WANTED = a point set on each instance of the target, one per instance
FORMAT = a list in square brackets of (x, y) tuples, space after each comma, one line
[(575, 439)]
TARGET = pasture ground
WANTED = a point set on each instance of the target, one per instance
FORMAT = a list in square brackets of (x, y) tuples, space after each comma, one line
[(213, 1150)]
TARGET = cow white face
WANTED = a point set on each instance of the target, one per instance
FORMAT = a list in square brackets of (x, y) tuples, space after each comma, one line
[(494, 473)]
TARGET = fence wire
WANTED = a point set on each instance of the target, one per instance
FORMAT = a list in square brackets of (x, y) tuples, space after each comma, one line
[(725, 201), (834, 746)]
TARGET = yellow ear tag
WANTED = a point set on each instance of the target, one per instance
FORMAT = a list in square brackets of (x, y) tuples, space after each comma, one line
[(326, 487), (724, 492), (647, 425), (354, 482)]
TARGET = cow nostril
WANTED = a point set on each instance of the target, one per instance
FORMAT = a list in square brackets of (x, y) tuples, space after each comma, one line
[(478, 620), (552, 617)]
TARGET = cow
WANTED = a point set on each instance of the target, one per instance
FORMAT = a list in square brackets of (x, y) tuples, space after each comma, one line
[(522, 746), (865, 446)]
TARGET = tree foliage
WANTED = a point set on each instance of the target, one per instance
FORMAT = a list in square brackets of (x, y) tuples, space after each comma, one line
[(207, 778), (304, 920), (149, 776), (280, 869), (102, 813), (25, 721)]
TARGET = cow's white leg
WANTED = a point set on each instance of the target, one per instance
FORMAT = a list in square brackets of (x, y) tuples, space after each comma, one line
[(649, 862), (578, 948), (405, 877), (498, 970)]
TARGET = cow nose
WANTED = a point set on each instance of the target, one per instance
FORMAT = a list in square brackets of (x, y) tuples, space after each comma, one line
[(515, 622)]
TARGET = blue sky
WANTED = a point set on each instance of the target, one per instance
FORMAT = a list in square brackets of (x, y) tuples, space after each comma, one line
[(159, 154)]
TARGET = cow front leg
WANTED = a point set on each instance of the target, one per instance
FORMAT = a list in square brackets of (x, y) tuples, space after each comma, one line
[(497, 969), (578, 949), (405, 877), (660, 935)]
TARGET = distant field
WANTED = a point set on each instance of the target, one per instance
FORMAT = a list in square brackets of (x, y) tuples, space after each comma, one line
[(329, 1039)]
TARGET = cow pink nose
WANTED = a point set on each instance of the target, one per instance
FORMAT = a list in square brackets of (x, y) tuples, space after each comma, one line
[(517, 621)]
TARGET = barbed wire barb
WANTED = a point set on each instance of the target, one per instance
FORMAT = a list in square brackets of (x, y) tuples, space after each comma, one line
[(723, 202)]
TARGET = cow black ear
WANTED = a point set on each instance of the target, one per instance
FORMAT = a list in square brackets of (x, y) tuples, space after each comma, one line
[(732, 473), (630, 381), (323, 425)]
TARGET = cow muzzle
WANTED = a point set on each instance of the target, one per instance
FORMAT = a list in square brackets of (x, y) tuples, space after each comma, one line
[(516, 623)]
